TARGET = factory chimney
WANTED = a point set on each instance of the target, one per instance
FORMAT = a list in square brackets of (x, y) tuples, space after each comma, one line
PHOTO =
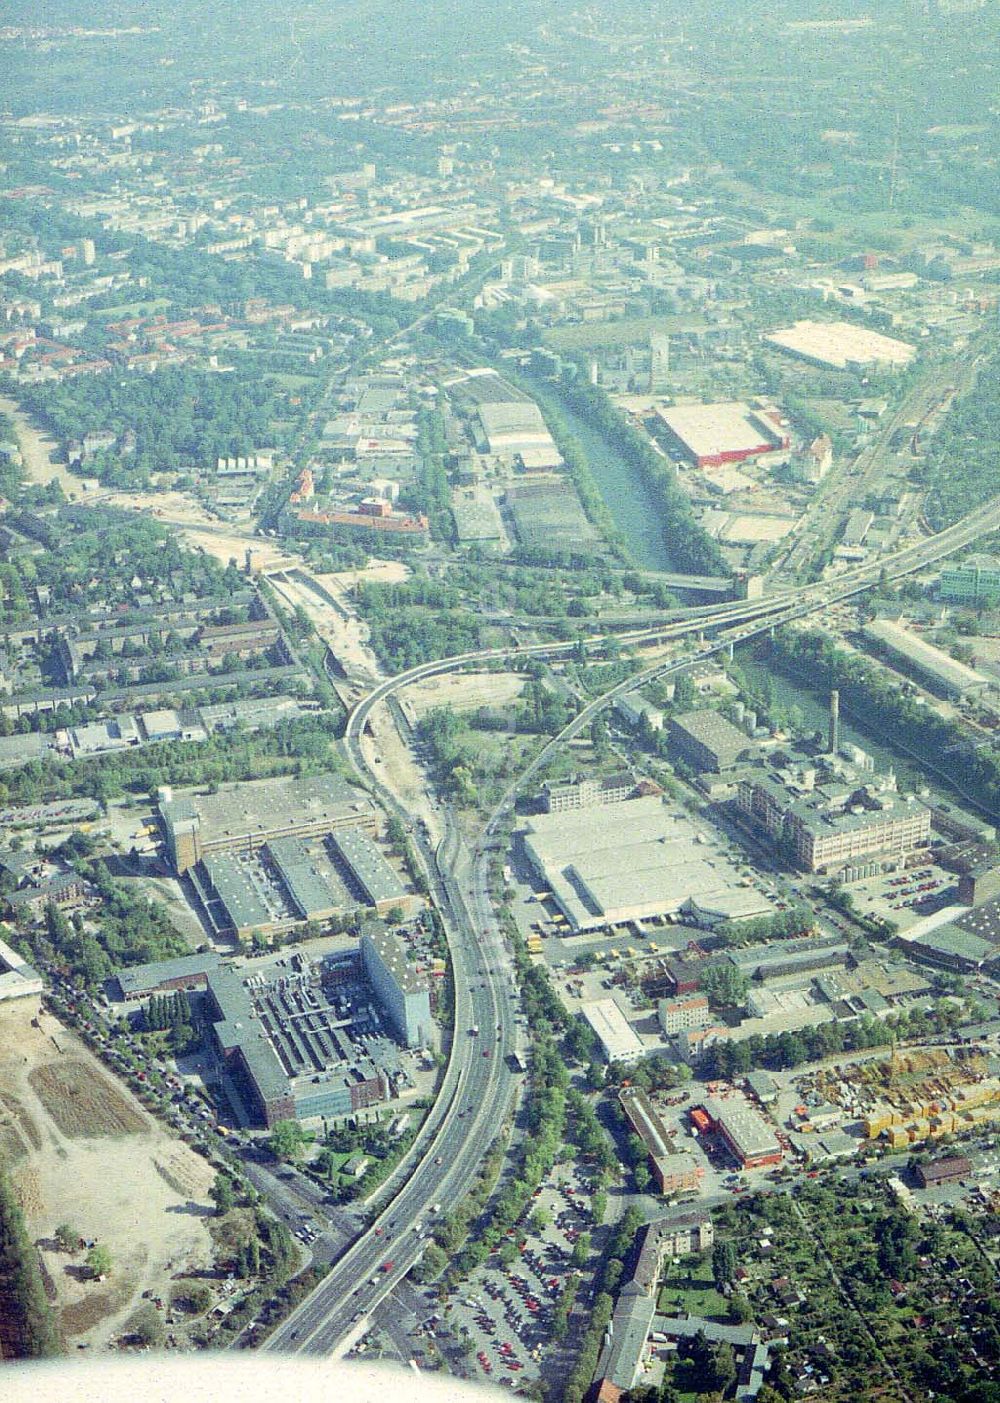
[(834, 722)]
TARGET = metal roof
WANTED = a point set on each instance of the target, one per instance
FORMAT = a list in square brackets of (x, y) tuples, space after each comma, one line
[(373, 873)]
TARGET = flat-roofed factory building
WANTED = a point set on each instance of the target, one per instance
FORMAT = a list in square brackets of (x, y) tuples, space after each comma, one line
[(362, 861), (712, 435), (707, 740), (748, 1136), (314, 887), (619, 1040), (942, 673), (247, 816)]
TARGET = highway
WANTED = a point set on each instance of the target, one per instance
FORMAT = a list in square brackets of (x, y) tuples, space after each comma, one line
[(475, 1095), (472, 1104)]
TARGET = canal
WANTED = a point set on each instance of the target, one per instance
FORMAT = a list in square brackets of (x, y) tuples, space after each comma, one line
[(814, 706), (635, 510)]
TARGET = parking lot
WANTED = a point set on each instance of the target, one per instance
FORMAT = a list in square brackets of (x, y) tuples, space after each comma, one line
[(903, 897), (502, 1315)]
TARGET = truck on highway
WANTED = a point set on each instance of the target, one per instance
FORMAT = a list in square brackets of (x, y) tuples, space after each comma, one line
[(474, 1031)]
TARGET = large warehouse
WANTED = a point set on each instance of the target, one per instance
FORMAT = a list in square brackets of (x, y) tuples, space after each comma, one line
[(942, 673), (651, 861), (246, 816), (515, 429), (710, 435), (841, 346)]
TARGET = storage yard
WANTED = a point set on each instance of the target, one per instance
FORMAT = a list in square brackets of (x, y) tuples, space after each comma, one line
[(899, 1100)]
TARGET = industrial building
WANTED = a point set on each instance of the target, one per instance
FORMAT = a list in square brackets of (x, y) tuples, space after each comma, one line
[(290, 880), (549, 515), (652, 861), (942, 673), (515, 429), (841, 346), (619, 1040), (953, 947), (674, 1172), (587, 793), (293, 1047), (778, 958), (675, 1015), (635, 710), (247, 816), (706, 740), (400, 987), (235, 896), (748, 1136), (238, 1037), (711, 435), (314, 887), (364, 866), (246, 1050), (974, 581), (829, 816), (943, 1171)]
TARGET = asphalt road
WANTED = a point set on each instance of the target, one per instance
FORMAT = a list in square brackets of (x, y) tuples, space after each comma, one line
[(471, 1107)]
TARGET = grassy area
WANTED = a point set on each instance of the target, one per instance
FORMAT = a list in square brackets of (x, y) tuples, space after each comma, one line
[(135, 309), (293, 382), (628, 332), (689, 1289)]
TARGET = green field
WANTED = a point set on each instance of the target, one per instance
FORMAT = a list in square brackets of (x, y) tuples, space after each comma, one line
[(631, 331), (134, 309), (689, 1289)]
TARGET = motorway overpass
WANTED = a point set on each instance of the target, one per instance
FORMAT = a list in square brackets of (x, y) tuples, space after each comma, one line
[(475, 1094)]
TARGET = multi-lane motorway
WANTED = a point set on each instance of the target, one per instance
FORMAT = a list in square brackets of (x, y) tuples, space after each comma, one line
[(471, 1107), (477, 1088)]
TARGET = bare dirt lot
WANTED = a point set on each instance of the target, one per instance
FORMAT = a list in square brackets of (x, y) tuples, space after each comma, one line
[(39, 451), (465, 691), (82, 1151), (81, 1102)]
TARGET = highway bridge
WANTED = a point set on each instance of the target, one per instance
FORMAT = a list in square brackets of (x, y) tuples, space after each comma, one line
[(475, 1095)]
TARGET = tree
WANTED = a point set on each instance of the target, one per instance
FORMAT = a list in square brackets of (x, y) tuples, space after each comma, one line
[(146, 1327), (222, 1193), (288, 1140), (581, 1250), (724, 984), (98, 1261), (67, 1237), (723, 1368), (740, 1308), (29, 1330), (724, 1262)]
